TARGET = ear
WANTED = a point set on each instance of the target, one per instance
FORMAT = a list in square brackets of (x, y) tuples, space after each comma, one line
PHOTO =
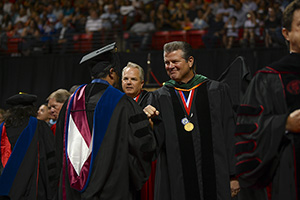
[(142, 83), (285, 33), (191, 61), (111, 73)]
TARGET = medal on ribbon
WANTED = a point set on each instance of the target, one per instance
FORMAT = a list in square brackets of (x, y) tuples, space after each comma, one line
[(189, 127), (187, 103)]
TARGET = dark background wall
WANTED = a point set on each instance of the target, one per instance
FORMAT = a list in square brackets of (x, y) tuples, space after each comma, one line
[(44, 74)]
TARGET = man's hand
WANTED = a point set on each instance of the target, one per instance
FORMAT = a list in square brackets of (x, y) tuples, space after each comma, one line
[(151, 111), (235, 187), (293, 122)]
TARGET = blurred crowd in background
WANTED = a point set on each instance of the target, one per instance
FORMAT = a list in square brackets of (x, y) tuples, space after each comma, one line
[(45, 24)]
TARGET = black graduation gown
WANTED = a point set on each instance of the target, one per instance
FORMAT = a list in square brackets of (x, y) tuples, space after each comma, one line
[(196, 164), (123, 162), (265, 152), (36, 177), (142, 100)]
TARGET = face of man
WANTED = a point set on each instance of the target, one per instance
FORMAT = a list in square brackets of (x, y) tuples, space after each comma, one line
[(131, 82), (43, 113), (293, 36), (54, 108), (177, 67)]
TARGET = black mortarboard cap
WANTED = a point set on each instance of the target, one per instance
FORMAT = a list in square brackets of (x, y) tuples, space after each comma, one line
[(21, 99), (102, 58)]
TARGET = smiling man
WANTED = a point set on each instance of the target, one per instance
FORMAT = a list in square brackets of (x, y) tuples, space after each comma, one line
[(194, 126)]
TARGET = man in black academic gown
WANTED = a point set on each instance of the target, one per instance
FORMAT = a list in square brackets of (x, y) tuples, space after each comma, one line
[(104, 141), (132, 85), (27, 165), (268, 124), (194, 126)]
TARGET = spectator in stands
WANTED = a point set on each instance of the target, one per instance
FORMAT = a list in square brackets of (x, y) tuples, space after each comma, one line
[(109, 18), (140, 34), (68, 9), (162, 18), (6, 24), (78, 20), (232, 32), (63, 40), (18, 29), (7, 7), (58, 24), (93, 23), (278, 9), (215, 5), (93, 26), (172, 7), (31, 36), (250, 30), (192, 11), (200, 22), (215, 31), (127, 12), (179, 17), (21, 16), (184, 4), (14, 12), (201, 4), (49, 27), (7, 31), (50, 14), (239, 13), (225, 10), (57, 9), (262, 7), (110, 23), (272, 27), (249, 5)]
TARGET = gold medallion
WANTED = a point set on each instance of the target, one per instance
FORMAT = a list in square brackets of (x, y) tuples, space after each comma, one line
[(189, 127)]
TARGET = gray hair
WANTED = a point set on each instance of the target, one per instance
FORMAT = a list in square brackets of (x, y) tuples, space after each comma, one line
[(134, 65), (60, 95), (179, 45)]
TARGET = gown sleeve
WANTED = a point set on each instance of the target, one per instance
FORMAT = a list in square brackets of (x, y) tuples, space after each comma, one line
[(260, 130), (228, 123), (142, 145), (47, 161)]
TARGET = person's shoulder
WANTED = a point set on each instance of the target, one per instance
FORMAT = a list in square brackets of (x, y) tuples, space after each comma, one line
[(126, 101), (44, 129), (162, 90), (215, 85)]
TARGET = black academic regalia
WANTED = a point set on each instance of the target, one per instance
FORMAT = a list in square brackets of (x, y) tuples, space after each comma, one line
[(142, 100), (36, 177), (196, 164), (123, 162), (266, 153)]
